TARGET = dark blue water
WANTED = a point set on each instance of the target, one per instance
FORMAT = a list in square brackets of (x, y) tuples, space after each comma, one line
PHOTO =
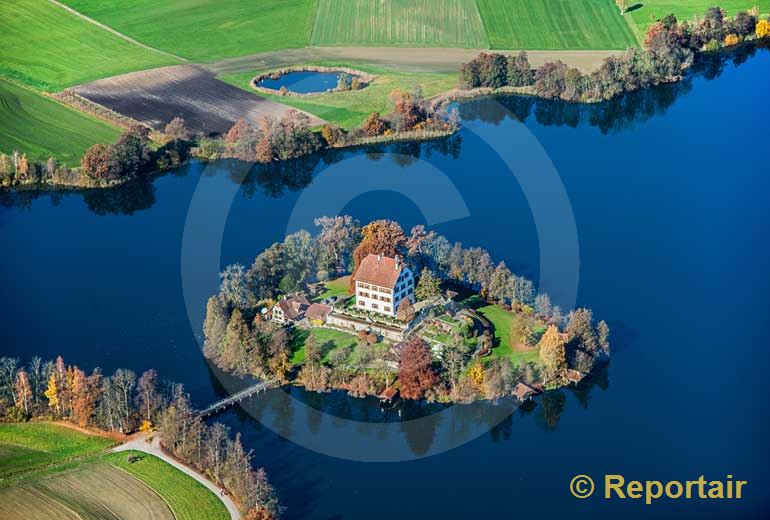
[(303, 82), (671, 199)]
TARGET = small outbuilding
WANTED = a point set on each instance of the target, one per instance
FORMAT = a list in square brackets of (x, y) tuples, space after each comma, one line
[(524, 392)]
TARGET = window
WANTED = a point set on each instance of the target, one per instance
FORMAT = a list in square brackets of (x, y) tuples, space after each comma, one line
[(374, 306), (383, 298), (366, 286), (359, 284), (363, 294), (386, 309), (387, 291), (361, 303)]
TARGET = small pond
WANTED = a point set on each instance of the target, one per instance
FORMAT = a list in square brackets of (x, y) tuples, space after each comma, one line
[(304, 82)]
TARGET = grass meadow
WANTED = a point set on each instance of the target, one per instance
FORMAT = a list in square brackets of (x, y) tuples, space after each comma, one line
[(49, 48), (408, 23), (41, 127), (187, 498), (29, 445), (653, 10), (503, 322), (204, 30), (326, 339), (555, 24), (348, 109)]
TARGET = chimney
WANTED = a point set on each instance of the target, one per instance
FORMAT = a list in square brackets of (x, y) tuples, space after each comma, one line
[(398, 261), (379, 257)]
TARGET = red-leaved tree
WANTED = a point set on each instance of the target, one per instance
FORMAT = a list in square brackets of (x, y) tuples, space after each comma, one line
[(415, 372)]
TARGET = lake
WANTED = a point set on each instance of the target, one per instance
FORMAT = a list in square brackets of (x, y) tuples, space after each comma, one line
[(670, 195)]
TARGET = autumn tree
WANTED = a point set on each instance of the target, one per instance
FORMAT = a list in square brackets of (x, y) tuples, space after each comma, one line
[(405, 311), (762, 29), (85, 395), (23, 391), (498, 378), (149, 400), (415, 370), (520, 73), (502, 284), (429, 286), (374, 125), (177, 129), (552, 352), (336, 241)]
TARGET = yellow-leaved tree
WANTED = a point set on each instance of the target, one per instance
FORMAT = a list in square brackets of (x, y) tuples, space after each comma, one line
[(52, 394), (762, 29), (476, 373), (553, 354)]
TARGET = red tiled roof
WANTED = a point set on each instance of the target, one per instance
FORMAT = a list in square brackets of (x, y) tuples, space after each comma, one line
[(379, 270), (294, 306), (318, 311)]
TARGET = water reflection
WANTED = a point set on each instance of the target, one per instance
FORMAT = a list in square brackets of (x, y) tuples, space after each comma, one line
[(616, 115), (335, 415)]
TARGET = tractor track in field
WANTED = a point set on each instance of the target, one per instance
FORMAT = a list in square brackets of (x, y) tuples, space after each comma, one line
[(116, 32)]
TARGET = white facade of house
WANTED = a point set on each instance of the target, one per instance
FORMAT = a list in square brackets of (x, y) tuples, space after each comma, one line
[(385, 299)]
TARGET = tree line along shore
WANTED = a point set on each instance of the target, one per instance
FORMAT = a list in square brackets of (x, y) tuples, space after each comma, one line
[(123, 403), (670, 48)]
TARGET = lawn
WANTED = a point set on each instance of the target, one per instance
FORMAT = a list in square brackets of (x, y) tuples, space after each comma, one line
[(337, 287), (205, 30), (503, 322), (187, 498), (348, 109), (409, 23), (40, 127), (555, 24), (327, 339), (28, 445), (652, 10), (49, 48)]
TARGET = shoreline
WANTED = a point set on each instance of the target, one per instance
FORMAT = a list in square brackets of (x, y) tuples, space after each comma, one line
[(436, 102)]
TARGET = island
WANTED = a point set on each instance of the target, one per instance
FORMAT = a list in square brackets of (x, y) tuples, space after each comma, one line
[(376, 312)]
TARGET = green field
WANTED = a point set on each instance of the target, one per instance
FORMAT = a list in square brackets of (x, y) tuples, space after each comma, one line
[(205, 30), (336, 287), (327, 339), (43, 45), (503, 322), (40, 127), (26, 446), (348, 109), (187, 498), (652, 10), (555, 24), (410, 23)]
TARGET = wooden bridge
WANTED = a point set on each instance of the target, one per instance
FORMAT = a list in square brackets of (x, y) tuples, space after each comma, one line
[(238, 396)]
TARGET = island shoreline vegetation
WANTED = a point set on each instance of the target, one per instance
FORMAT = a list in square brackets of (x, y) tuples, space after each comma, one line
[(116, 405), (670, 49), (479, 331)]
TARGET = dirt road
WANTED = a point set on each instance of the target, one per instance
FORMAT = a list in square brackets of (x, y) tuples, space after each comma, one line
[(408, 59)]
